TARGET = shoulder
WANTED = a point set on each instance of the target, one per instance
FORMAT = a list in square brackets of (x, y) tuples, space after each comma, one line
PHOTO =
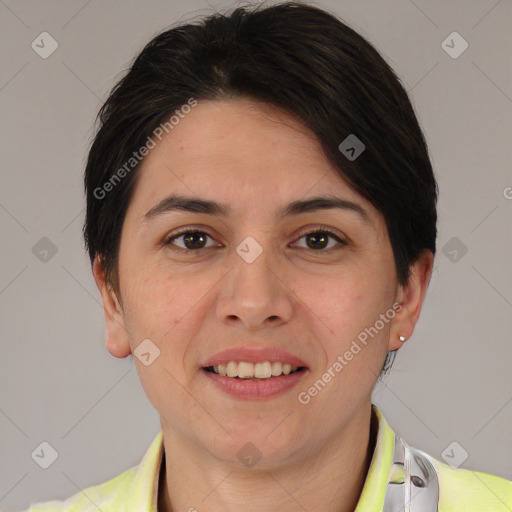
[(471, 491), (136, 488), (104, 497), (459, 490)]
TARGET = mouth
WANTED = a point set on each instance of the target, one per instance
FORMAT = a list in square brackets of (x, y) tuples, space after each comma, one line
[(244, 385), (254, 372)]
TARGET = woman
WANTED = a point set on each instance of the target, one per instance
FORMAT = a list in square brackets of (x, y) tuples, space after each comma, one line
[(261, 222)]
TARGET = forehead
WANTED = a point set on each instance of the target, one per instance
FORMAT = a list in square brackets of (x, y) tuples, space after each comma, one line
[(238, 135), (243, 151)]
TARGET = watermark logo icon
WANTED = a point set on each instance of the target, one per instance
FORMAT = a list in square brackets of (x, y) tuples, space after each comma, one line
[(44, 45), (454, 249), (146, 352), (352, 147), (44, 250), (249, 455), (454, 45), (454, 454), (249, 249), (45, 455)]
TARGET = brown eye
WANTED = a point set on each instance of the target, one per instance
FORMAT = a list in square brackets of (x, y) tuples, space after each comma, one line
[(193, 240), (318, 239)]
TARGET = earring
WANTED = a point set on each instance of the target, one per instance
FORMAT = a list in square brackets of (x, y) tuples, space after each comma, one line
[(401, 338)]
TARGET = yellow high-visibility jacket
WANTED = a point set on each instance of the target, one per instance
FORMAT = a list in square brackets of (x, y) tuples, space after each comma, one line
[(400, 478)]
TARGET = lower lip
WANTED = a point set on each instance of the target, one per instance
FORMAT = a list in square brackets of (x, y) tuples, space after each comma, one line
[(255, 389)]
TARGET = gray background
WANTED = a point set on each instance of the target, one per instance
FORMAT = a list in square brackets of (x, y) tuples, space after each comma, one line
[(451, 381)]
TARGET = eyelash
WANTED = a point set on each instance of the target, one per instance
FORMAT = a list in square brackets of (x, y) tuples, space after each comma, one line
[(322, 229)]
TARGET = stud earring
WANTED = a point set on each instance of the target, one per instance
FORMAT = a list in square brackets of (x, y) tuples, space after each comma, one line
[(401, 338)]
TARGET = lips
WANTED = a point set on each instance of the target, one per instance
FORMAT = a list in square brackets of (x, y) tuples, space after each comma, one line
[(254, 355)]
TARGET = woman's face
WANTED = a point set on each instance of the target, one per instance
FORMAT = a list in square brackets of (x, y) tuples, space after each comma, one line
[(311, 296)]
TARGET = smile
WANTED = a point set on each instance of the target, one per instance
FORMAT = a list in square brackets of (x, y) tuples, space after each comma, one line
[(255, 388), (248, 370)]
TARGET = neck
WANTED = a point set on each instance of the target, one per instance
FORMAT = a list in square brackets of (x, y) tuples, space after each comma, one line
[(330, 480)]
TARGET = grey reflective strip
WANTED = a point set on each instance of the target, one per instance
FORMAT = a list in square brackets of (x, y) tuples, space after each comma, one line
[(395, 494), (413, 485)]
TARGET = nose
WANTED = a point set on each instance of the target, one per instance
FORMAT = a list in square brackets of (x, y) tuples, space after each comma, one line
[(255, 294)]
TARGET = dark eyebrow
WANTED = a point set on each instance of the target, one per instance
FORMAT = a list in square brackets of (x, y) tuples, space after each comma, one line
[(204, 206)]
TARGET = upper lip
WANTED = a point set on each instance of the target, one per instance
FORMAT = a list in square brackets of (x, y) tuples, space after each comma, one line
[(254, 355)]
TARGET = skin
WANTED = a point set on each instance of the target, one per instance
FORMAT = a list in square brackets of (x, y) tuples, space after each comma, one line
[(257, 159)]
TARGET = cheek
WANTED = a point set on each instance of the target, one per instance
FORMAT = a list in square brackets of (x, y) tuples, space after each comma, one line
[(169, 305), (343, 305), (157, 308), (340, 297), (154, 303)]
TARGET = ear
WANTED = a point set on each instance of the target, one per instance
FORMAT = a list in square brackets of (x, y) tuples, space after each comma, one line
[(411, 298), (117, 339)]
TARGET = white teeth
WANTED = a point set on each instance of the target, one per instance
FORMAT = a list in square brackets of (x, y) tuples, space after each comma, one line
[(246, 370), (231, 370), (262, 370), (277, 369)]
